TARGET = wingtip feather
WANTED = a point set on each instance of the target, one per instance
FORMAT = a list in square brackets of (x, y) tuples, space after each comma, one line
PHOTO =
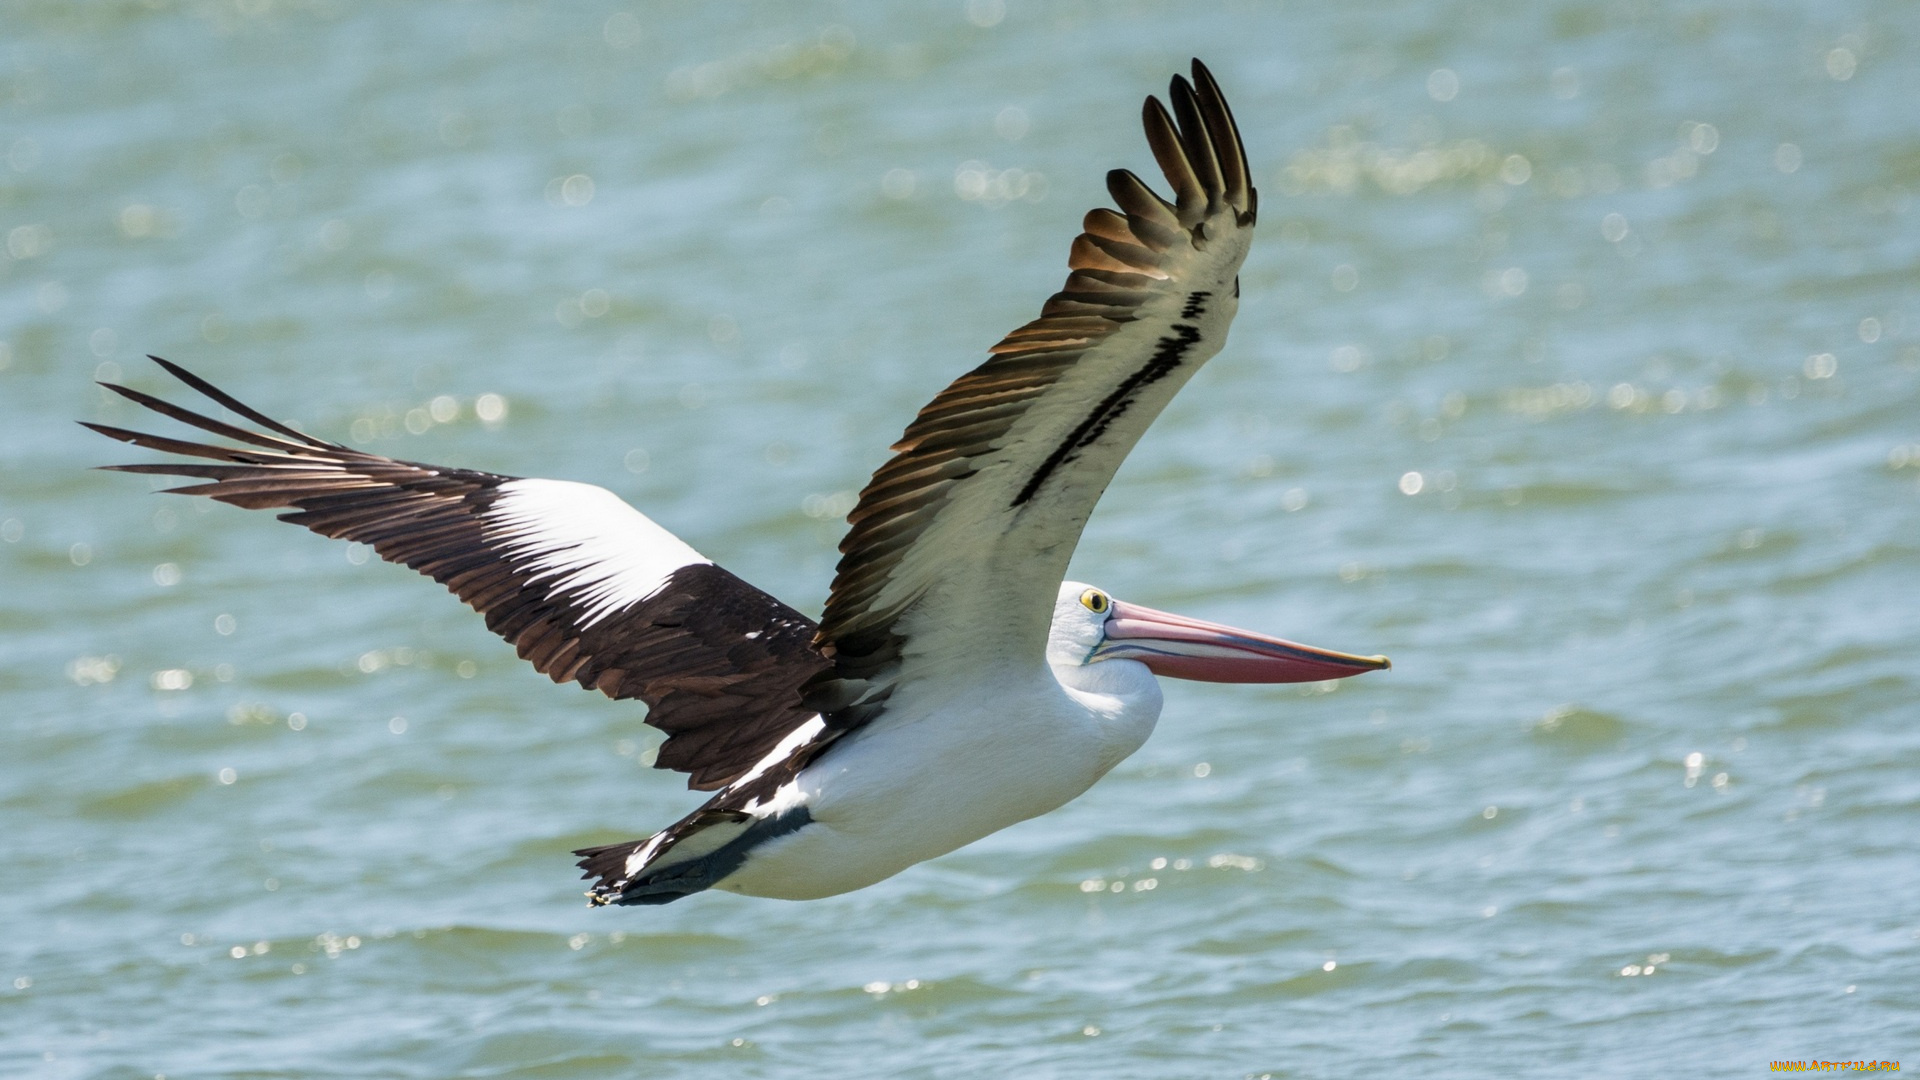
[(1227, 145), (209, 390), (1163, 137), (1198, 140)]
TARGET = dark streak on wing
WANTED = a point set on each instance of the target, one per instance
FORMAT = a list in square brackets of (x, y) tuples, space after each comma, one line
[(1165, 358), (718, 662)]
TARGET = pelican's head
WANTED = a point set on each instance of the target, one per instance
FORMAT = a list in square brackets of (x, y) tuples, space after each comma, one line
[(1090, 626)]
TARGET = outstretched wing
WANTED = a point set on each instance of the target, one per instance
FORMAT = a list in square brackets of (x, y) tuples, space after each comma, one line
[(587, 588), (973, 521)]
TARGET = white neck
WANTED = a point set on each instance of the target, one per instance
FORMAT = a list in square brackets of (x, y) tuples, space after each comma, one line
[(1122, 696)]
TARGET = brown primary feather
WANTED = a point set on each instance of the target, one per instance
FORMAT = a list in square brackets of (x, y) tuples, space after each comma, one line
[(1197, 141), (1170, 152), (1143, 204), (1232, 152), (1108, 225)]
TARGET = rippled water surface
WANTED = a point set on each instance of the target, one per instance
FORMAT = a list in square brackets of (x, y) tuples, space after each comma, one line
[(1578, 368)]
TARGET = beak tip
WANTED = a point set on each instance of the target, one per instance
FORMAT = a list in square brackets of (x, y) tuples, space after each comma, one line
[(1385, 664)]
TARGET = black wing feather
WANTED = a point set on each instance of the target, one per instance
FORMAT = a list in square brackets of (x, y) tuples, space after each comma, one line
[(718, 662)]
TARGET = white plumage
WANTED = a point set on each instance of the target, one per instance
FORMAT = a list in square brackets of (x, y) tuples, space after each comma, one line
[(584, 541), (955, 758)]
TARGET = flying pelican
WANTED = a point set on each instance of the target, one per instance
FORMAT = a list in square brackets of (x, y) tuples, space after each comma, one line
[(954, 684)]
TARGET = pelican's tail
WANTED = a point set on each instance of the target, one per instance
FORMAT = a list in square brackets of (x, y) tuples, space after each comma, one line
[(609, 864), (689, 856)]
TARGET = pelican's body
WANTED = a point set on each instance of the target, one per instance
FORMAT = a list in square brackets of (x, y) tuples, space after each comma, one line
[(954, 685), (959, 763), (948, 765)]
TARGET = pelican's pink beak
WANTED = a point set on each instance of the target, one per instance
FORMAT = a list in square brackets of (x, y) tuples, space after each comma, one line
[(1182, 648)]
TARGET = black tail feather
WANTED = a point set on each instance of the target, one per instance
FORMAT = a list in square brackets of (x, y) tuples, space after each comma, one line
[(608, 862)]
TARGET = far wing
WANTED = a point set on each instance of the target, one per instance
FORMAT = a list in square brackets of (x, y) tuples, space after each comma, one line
[(971, 524), (587, 588)]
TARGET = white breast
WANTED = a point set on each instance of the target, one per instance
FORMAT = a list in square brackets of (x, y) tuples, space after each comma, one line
[(943, 769)]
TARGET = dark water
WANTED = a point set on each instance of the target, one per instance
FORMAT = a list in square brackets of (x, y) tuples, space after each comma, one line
[(1578, 368)]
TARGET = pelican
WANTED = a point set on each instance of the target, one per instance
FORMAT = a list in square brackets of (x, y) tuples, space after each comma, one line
[(954, 685)]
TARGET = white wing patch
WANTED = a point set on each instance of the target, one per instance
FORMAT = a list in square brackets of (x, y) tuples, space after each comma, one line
[(798, 738), (584, 541)]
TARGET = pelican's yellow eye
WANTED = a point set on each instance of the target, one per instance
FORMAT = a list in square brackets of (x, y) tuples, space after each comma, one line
[(1095, 601)]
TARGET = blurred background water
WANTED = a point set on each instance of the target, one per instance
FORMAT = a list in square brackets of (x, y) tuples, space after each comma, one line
[(1578, 368)]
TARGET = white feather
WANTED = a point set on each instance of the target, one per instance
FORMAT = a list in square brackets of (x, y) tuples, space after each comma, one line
[(795, 739), (584, 541), (962, 759)]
